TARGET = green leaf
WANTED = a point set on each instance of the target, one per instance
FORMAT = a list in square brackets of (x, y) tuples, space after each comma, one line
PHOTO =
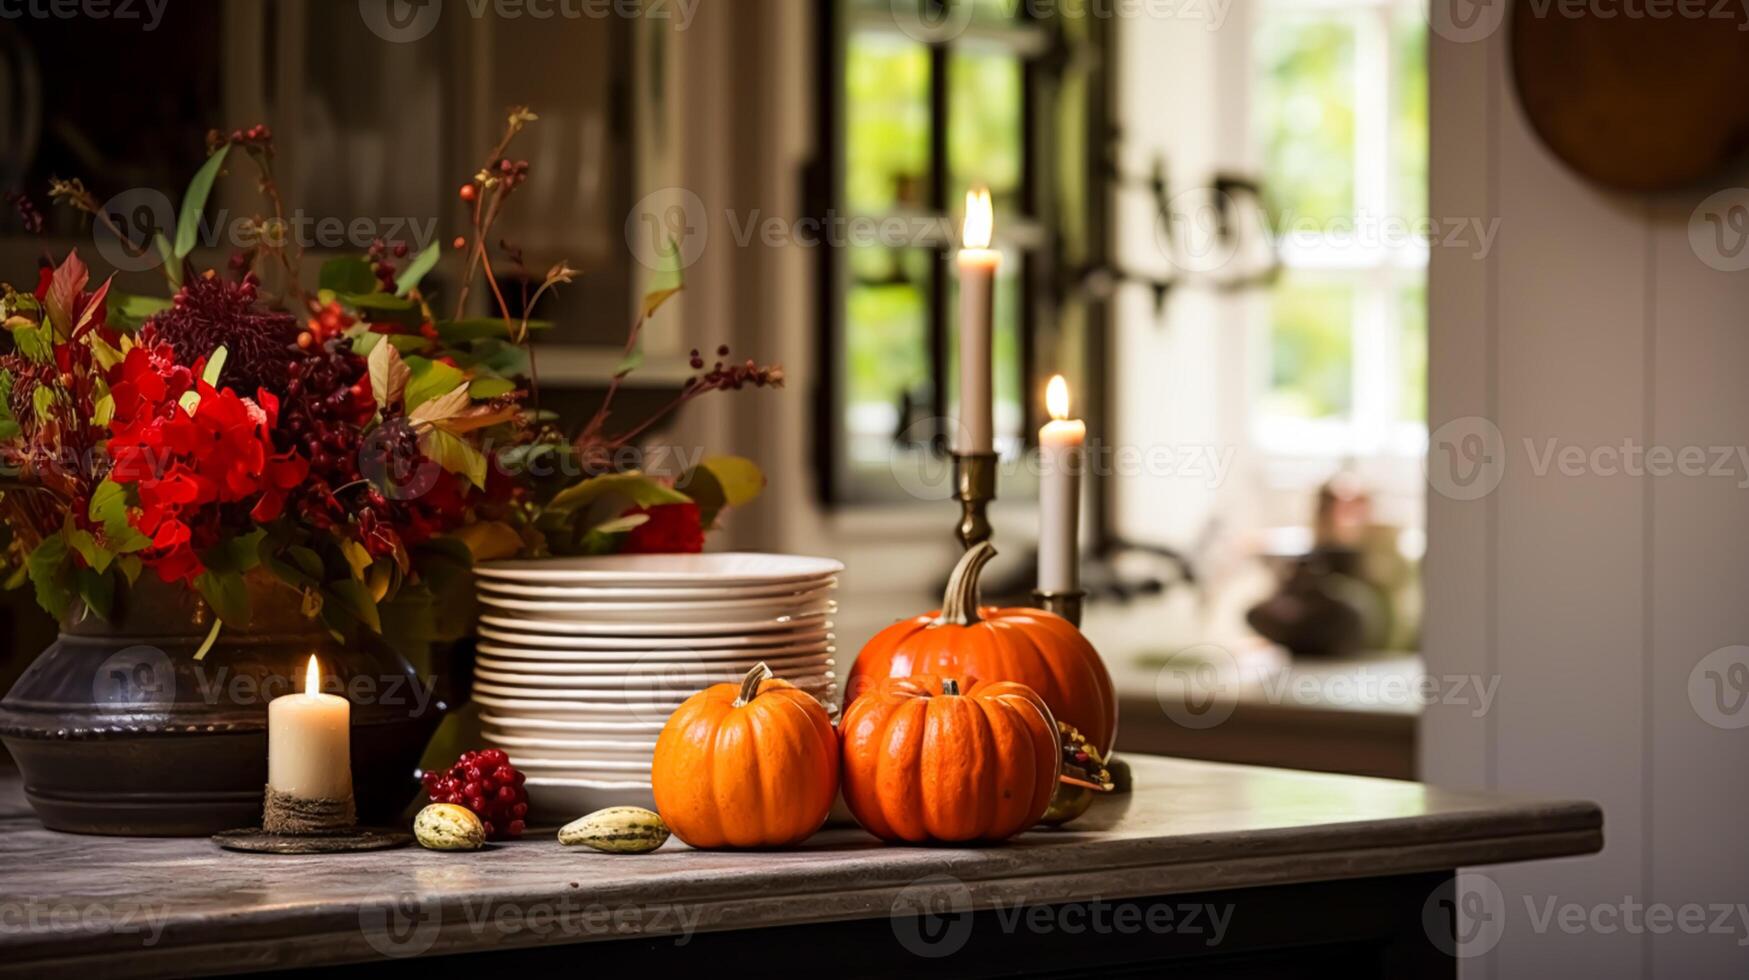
[(194, 201), (306, 559), (127, 312), (130, 566), (640, 490), (50, 571), (385, 308), (85, 543), (482, 389), (172, 264), (430, 380), (354, 597), (454, 454), (42, 400), (97, 588), (103, 411), (225, 592), (718, 482), (214, 365), (480, 328), (621, 524), (237, 554), (36, 343), (633, 360), (212, 637), (349, 274), (417, 269), (109, 507)]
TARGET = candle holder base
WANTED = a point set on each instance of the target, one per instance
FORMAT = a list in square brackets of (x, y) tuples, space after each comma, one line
[(974, 486), (254, 840), (285, 814), (1066, 603)]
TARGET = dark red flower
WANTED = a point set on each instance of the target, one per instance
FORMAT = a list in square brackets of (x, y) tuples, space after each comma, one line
[(671, 529)]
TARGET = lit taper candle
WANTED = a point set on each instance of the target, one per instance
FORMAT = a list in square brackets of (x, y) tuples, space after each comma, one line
[(1060, 445), (978, 263)]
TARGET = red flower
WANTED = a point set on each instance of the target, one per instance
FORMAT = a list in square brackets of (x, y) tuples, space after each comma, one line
[(671, 529)]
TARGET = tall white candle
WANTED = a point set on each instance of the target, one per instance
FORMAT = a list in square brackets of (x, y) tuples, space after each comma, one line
[(309, 743), (1060, 445), (977, 263)]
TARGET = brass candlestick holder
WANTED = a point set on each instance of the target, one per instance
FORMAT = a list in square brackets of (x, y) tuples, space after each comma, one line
[(1066, 603), (974, 486)]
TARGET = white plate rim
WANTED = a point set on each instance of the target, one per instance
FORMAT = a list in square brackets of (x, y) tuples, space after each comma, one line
[(605, 593), (806, 605), (826, 657), (632, 644), (578, 726), (595, 568), (661, 630)]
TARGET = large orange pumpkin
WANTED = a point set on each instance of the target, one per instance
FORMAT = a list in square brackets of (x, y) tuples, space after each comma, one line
[(1042, 650), (924, 763), (753, 764)]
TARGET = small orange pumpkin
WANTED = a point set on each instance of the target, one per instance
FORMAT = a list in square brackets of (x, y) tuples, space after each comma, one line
[(924, 763), (1040, 649), (753, 764)]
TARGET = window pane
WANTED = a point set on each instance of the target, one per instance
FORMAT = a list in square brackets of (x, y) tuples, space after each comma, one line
[(1311, 349), (886, 123), (887, 355), (1409, 122), (1006, 383), (984, 136), (1305, 115), (1412, 350)]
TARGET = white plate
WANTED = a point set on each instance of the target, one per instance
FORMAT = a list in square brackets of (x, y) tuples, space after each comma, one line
[(611, 647), (664, 699), (689, 593), (552, 744), (664, 615), (727, 568), (512, 723), (645, 679), (511, 662), (707, 633), (559, 767), (558, 800)]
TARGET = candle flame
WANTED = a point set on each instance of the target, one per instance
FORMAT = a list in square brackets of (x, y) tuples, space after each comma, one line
[(312, 678), (1057, 398), (980, 219)]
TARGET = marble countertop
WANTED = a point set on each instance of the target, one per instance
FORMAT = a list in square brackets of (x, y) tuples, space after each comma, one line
[(139, 906)]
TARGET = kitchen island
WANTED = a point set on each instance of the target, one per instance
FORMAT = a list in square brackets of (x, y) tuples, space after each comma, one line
[(1211, 869)]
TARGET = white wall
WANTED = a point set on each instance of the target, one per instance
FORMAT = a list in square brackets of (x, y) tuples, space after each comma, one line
[(1590, 597)]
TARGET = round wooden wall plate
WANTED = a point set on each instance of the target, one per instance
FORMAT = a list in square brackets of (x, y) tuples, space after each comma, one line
[(1636, 103)]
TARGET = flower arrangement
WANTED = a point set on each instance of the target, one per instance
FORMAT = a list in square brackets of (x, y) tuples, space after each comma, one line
[(347, 440)]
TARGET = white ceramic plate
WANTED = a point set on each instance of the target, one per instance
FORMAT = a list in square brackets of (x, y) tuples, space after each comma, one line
[(555, 799), (706, 633), (514, 724), (645, 679), (664, 615), (545, 745), (511, 662), (560, 767), (665, 699), (620, 647), (688, 593), (726, 568)]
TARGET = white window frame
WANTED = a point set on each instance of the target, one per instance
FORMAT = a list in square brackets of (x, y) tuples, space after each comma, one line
[(1376, 266)]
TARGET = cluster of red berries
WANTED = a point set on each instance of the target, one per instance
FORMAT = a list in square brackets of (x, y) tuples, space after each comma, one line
[(330, 323), (726, 377), (257, 135), (382, 257), (327, 401), (485, 782)]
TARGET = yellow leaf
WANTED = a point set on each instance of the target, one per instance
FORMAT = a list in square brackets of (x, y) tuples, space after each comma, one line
[(356, 556), (489, 540)]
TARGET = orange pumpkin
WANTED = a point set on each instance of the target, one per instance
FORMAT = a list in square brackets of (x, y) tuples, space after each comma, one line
[(924, 763), (1042, 650), (753, 764)]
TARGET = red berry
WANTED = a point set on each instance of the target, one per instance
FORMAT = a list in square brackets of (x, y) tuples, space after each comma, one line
[(486, 782), (469, 192)]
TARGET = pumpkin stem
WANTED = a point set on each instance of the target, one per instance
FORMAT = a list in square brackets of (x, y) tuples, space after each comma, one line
[(750, 683), (959, 606), (950, 687)]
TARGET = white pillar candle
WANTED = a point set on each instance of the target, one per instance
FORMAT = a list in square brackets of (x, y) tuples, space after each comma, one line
[(309, 743), (977, 263), (1060, 445)]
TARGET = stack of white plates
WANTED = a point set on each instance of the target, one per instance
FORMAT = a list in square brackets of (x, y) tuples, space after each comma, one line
[(581, 660)]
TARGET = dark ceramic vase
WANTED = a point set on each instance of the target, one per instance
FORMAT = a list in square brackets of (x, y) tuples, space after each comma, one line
[(119, 730)]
